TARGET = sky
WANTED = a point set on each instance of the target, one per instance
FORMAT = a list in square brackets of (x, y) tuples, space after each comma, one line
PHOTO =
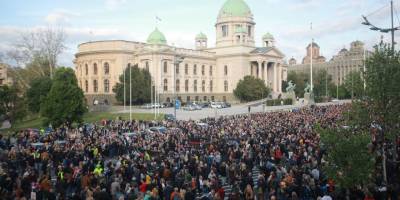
[(336, 23)]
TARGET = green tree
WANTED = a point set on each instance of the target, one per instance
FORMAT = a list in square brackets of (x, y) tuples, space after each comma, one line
[(35, 95), (65, 101), (251, 89), (322, 82), (300, 79), (349, 162), (382, 87), (141, 86), (354, 84), (12, 106)]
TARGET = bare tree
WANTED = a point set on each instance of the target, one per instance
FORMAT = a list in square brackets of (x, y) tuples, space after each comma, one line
[(36, 52)]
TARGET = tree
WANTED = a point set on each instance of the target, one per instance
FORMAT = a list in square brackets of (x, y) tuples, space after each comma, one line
[(65, 101), (322, 82), (35, 55), (39, 88), (300, 79), (348, 161), (382, 87), (12, 106), (354, 84), (251, 89), (141, 86)]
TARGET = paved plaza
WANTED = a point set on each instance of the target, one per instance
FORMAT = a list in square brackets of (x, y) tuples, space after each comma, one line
[(210, 112)]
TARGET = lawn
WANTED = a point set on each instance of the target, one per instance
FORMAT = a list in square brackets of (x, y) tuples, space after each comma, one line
[(37, 122)]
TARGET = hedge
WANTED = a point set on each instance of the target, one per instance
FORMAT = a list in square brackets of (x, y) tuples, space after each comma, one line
[(277, 102)]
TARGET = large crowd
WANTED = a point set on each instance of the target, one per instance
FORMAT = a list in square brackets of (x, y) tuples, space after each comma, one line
[(260, 156)]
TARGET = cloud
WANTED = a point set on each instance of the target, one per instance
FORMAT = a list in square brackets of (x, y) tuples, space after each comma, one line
[(114, 4), (60, 17)]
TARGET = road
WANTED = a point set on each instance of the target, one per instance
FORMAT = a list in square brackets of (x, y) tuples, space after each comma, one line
[(209, 112)]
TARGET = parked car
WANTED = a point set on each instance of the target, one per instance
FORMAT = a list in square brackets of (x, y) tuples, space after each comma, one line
[(226, 105), (157, 105), (190, 108), (158, 129), (169, 117), (146, 106), (168, 105), (215, 105)]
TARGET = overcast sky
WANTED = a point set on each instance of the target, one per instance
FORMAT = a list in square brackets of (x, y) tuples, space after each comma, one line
[(336, 23)]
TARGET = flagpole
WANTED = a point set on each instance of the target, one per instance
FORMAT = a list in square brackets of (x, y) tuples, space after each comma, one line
[(123, 71), (311, 62), (130, 93)]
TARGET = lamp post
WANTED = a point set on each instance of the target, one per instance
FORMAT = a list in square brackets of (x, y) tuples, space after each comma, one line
[(383, 30), (177, 60)]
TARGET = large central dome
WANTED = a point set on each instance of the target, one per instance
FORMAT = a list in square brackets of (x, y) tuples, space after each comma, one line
[(235, 8)]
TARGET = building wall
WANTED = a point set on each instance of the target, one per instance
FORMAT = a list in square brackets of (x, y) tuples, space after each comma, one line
[(5, 79), (340, 65)]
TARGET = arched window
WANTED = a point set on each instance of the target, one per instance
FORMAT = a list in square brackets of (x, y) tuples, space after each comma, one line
[(226, 86), (186, 85), (165, 85), (203, 70), (211, 69), (95, 86), (95, 69), (106, 86), (106, 68), (186, 69), (203, 86), (177, 85), (177, 69), (211, 86), (86, 69), (194, 69), (165, 67), (226, 70), (195, 85), (86, 86)]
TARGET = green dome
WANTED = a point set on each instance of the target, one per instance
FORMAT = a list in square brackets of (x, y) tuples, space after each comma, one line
[(156, 37), (201, 36), (240, 29), (268, 36), (235, 8)]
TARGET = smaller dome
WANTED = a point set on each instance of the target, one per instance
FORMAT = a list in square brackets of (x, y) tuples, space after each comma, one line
[(240, 29), (201, 35), (156, 37), (268, 36)]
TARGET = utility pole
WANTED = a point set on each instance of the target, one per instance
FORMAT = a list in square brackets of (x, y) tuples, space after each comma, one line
[(177, 60), (384, 30)]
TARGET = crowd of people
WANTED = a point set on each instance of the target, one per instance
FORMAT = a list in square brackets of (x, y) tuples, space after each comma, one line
[(264, 156)]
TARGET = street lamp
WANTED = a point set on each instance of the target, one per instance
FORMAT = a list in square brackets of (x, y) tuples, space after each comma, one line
[(177, 60), (383, 30)]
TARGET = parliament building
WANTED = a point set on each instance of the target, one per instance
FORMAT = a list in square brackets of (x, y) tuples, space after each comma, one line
[(205, 74)]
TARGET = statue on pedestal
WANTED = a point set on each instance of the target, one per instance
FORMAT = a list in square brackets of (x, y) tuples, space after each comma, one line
[(291, 86), (308, 88)]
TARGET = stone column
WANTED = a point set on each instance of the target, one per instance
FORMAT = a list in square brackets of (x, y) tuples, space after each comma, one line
[(266, 73), (258, 69), (280, 78), (274, 84)]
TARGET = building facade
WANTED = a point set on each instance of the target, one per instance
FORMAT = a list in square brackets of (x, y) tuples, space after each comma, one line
[(341, 64), (5, 79), (206, 74)]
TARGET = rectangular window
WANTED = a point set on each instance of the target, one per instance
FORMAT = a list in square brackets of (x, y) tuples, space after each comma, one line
[(194, 69), (249, 30), (225, 31), (211, 69), (177, 69), (203, 70), (186, 69)]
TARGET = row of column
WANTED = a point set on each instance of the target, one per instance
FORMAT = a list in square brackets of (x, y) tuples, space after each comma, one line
[(261, 71)]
